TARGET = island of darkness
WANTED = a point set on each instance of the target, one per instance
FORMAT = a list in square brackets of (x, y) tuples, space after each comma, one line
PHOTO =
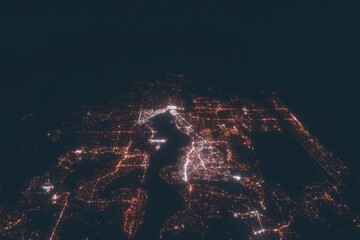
[(179, 160)]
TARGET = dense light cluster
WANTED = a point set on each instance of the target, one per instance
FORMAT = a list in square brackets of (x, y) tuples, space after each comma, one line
[(220, 172)]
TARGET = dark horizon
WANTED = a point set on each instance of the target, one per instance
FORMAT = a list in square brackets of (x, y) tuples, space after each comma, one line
[(306, 51)]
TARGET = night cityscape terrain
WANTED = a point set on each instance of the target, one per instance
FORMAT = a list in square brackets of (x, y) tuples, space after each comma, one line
[(176, 159), (179, 121)]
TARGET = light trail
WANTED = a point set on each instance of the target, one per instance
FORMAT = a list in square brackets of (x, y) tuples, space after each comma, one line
[(60, 216)]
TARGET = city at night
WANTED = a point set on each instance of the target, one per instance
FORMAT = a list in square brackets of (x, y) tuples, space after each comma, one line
[(175, 121)]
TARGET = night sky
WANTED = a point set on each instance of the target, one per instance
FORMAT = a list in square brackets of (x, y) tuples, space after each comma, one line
[(307, 51)]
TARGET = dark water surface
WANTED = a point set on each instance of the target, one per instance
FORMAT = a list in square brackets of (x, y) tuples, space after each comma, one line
[(164, 199)]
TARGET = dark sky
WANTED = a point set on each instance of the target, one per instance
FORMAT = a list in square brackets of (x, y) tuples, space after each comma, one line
[(308, 51)]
